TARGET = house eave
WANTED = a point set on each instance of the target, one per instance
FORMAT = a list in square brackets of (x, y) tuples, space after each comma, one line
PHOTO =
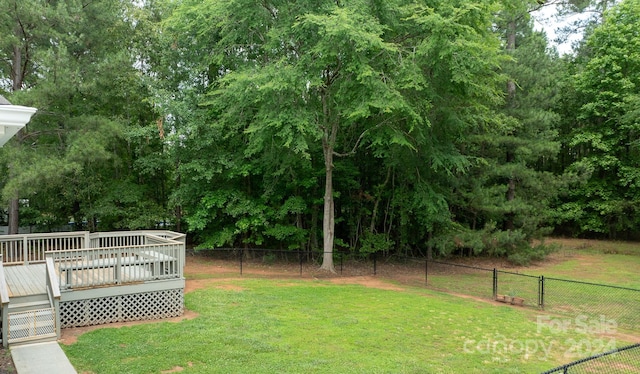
[(12, 119)]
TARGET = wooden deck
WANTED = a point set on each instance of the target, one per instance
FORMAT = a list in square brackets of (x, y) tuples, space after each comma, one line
[(25, 280), (85, 279)]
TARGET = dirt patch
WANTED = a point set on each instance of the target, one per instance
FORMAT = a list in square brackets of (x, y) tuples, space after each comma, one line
[(368, 281), (6, 362), (70, 335), (199, 284), (176, 369)]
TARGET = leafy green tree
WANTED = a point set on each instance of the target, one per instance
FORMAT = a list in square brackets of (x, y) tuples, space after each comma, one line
[(83, 150), (504, 199), (311, 86), (604, 128)]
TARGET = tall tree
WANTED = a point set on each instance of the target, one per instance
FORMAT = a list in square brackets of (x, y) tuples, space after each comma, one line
[(321, 80), (89, 92), (504, 199), (604, 128), (22, 34)]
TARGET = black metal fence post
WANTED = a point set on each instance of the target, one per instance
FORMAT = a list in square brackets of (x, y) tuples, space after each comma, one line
[(341, 260), (541, 292), (241, 254), (495, 283)]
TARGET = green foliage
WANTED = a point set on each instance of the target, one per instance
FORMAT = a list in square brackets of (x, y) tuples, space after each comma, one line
[(534, 253), (502, 203), (81, 157), (602, 132), (394, 84), (227, 116), (372, 243)]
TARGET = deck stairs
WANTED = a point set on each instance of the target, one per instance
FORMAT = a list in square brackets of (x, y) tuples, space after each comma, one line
[(31, 319)]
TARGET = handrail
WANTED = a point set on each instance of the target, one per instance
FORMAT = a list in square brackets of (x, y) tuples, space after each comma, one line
[(44, 235), (4, 299), (85, 254), (126, 238), (4, 288), (53, 291), (31, 248), (52, 281)]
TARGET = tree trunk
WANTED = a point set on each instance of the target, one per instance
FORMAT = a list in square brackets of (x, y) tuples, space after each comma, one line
[(511, 93), (14, 222), (178, 218), (330, 131), (376, 204), (313, 236), (328, 218), (17, 75), (511, 195), (511, 47), (17, 78)]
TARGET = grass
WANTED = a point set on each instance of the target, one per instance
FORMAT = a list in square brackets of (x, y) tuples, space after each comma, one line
[(267, 326), (593, 262), (314, 326), (598, 261)]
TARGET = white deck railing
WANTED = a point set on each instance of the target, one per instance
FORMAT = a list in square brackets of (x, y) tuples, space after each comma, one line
[(30, 248), (53, 291), (94, 267), (85, 260)]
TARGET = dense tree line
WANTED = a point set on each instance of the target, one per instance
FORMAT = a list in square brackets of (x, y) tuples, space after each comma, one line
[(428, 127)]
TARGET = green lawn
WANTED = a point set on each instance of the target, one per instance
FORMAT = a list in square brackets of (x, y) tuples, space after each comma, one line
[(598, 261), (596, 264), (269, 326), (314, 326)]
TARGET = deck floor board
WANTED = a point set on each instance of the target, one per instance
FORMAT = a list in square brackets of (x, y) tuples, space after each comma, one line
[(25, 280)]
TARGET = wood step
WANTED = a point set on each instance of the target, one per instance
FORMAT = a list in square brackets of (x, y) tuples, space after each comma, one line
[(27, 306), (28, 299)]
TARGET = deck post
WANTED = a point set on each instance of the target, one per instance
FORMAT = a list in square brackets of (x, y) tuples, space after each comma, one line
[(25, 250), (118, 270), (56, 309), (4, 298), (5, 324)]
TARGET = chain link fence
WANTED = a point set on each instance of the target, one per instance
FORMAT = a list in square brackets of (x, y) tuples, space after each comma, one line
[(285, 262), (616, 305), (517, 288), (459, 278), (622, 360)]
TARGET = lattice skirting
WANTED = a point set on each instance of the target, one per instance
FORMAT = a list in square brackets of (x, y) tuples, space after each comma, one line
[(122, 308)]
